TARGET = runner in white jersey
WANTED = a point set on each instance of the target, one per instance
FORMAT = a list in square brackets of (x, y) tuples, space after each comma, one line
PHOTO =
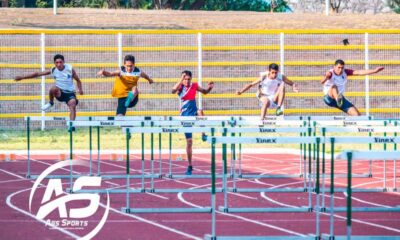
[(64, 89), (271, 89), (335, 81)]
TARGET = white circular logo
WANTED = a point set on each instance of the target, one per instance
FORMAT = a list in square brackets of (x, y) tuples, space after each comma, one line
[(54, 187)]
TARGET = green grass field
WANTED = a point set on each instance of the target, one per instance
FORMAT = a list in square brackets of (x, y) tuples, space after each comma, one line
[(114, 139)]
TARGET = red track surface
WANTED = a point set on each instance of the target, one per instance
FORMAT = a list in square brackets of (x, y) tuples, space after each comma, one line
[(16, 223)]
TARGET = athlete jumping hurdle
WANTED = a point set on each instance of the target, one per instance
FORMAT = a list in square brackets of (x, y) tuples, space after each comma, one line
[(125, 85), (187, 94), (64, 88), (271, 89), (335, 81)]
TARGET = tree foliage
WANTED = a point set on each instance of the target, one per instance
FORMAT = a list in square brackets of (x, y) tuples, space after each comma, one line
[(394, 5), (208, 5)]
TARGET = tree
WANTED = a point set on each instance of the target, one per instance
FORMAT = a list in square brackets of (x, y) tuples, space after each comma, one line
[(335, 5), (4, 3), (394, 5)]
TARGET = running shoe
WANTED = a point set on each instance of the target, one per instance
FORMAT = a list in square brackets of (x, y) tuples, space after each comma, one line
[(189, 170), (279, 111), (47, 106), (339, 100)]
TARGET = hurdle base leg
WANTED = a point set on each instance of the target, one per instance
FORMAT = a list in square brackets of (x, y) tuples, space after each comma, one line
[(194, 176), (167, 210), (327, 236), (209, 237), (310, 237), (367, 237), (263, 210)]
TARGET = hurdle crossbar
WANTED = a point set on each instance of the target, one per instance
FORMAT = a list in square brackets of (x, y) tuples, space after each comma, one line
[(351, 156)]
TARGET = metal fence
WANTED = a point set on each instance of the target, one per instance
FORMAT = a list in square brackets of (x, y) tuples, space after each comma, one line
[(230, 58)]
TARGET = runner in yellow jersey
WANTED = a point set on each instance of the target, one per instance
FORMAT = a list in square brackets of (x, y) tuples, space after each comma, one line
[(125, 85)]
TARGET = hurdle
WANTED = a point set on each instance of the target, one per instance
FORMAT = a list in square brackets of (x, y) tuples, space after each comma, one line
[(30, 119), (353, 129), (352, 122), (265, 130), (137, 122), (351, 156), (362, 140), (378, 129), (209, 209), (142, 176), (184, 122), (270, 121), (264, 140)]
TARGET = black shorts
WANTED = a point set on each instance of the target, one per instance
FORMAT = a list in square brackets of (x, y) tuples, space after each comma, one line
[(332, 103), (121, 109), (67, 96)]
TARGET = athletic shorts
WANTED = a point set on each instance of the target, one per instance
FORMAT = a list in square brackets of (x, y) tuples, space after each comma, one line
[(121, 109), (272, 104), (332, 103), (67, 96), (189, 111)]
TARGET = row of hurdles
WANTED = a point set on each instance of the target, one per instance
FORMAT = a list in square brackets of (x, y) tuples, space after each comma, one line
[(311, 134)]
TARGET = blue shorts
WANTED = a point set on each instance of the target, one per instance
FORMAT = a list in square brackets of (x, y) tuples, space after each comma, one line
[(189, 110), (332, 103)]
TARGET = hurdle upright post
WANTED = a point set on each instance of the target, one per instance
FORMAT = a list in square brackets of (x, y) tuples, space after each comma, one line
[(90, 148), (213, 201), (71, 156), (301, 174), (323, 171), (332, 189), (128, 136), (170, 155), (309, 174), (142, 178), (348, 211), (233, 162), (225, 171), (394, 163), (370, 161), (98, 151), (28, 142), (305, 176), (152, 159), (384, 161), (240, 157), (314, 152), (160, 154), (317, 191)]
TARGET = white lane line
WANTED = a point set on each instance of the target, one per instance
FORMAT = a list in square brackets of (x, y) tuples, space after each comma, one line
[(367, 202), (117, 185), (236, 194), (12, 174), (14, 180), (154, 224), (122, 213), (8, 201), (353, 219), (159, 196), (180, 196)]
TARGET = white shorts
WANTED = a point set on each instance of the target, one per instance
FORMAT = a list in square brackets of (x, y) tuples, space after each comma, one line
[(272, 104)]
